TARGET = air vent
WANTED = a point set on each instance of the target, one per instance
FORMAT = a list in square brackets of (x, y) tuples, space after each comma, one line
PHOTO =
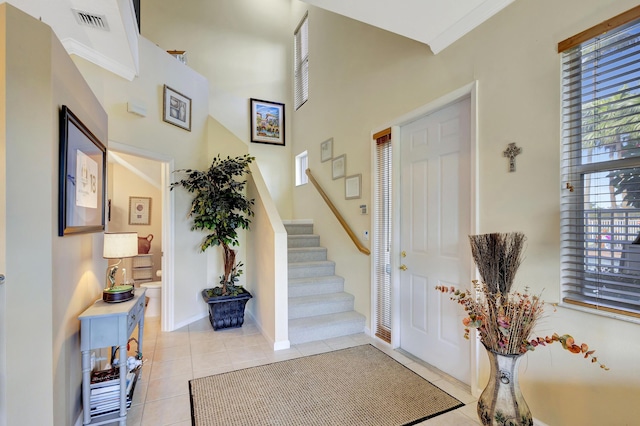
[(91, 20)]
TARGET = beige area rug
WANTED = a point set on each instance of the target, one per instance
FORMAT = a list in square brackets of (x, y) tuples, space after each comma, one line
[(355, 386)]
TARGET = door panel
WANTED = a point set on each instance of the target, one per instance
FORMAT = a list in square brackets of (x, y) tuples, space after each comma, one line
[(435, 222)]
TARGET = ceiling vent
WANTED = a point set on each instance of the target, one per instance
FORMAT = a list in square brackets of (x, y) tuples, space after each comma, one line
[(91, 20)]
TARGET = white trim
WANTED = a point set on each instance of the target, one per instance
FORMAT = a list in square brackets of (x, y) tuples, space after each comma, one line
[(168, 231), (468, 91), (467, 23), (74, 47)]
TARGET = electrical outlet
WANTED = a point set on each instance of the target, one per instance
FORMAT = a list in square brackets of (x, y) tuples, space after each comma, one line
[(365, 235)]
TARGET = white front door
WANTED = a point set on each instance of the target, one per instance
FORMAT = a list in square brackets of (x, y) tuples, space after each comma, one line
[(435, 224)]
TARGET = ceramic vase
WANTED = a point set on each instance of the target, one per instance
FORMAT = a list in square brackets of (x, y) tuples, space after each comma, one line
[(501, 403)]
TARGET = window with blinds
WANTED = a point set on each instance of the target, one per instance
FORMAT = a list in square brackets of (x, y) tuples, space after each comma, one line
[(601, 171), (382, 238), (301, 62)]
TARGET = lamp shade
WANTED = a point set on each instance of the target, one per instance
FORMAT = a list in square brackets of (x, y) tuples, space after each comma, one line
[(120, 244)]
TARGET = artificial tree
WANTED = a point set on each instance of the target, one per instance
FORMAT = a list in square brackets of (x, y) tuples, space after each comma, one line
[(220, 207)]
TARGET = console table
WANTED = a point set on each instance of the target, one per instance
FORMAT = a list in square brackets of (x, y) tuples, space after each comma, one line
[(103, 325)]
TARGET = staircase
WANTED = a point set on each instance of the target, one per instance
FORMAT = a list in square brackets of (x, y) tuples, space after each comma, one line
[(318, 306)]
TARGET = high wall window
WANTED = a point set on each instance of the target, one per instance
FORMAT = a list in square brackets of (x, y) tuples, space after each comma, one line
[(601, 168), (301, 62), (302, 163)]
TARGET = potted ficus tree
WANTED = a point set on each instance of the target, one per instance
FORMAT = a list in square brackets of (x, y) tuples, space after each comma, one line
[(220, 207)]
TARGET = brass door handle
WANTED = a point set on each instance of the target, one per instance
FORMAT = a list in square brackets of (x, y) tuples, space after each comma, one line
[(403, 267), (403, 253)]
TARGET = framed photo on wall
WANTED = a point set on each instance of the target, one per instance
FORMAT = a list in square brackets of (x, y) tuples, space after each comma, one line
[(139, 210), (339, 166), (352, 186), (176, 108), (326, 150), (267, 122), (81, 182)]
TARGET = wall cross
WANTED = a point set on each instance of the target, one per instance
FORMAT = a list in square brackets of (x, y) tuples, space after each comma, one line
[(511, 152)]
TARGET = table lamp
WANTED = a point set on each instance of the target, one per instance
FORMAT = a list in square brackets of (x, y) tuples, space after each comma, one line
[(118, 245)]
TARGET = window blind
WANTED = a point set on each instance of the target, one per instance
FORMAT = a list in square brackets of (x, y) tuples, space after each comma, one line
[(301, 62), (382, 241), (601, 171)]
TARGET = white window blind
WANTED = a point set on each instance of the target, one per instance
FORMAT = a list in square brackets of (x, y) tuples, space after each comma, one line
[(301, 63), (382, 239), (601, 171)]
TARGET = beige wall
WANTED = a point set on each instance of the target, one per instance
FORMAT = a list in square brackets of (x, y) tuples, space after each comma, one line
[(362, 78), (151, 134), (51, 279), (243, 47), (141, 178)]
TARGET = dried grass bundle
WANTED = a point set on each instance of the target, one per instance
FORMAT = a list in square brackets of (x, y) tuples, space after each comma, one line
[(498, 257)]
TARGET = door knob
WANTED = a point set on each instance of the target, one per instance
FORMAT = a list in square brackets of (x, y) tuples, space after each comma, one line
[(403, 253), (403, 267)]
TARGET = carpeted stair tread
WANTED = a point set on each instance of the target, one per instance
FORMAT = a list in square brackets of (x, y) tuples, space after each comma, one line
[(316, 268), (307, 286), (303, 240), (305, 254), (298, 228), (319, 327), (320, 304)]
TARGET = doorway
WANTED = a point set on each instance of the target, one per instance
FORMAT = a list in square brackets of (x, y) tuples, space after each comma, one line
[(433, 209), (137, 176), (435, 223)]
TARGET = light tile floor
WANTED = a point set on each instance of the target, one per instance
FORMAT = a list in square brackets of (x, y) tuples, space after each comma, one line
[(173, 358)]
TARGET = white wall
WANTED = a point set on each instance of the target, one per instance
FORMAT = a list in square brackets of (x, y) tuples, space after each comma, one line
[(362, 78), (244, 48)]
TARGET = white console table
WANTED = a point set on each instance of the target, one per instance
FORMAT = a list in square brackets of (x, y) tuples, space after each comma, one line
[(103, 325)]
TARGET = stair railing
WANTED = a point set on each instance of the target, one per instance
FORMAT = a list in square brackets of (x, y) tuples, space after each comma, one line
[(338, 216)]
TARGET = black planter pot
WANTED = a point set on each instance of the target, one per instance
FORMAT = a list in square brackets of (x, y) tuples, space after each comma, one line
[(226, 311)]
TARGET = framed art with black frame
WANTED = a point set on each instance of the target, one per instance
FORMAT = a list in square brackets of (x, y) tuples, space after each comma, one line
[(267, 122), (83, 161)]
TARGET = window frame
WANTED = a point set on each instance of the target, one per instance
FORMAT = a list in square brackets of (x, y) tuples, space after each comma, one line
[(301, 62), (582, 227)]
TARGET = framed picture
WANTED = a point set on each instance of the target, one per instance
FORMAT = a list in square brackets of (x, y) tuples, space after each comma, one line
[(338, 166), (81, 180), (352, 186), (139, 210), (267, 122), (326, 150), (176, 108)]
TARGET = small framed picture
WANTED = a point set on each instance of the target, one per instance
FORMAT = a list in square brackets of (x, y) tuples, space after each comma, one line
[(326, 150), (176, 108), (338, 166), (352, 186), (267, 122), (139, 210)]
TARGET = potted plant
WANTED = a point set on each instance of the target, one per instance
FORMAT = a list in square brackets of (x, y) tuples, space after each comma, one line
[(220, 207)]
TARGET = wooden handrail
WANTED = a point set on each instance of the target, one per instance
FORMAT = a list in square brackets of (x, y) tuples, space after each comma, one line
[(335, 211)]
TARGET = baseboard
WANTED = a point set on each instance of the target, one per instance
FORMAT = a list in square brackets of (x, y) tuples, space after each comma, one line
[(189, 321), (277, 346)]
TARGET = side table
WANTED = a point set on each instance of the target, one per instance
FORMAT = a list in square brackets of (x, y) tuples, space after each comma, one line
[(103, 325)]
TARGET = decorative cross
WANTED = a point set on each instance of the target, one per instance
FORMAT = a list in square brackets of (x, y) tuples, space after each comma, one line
[(511, 152)]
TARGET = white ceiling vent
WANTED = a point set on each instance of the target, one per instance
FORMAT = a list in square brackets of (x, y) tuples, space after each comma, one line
[(91, 20)]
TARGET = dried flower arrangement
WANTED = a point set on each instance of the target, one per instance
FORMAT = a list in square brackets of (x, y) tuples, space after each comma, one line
[(505, 319)]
